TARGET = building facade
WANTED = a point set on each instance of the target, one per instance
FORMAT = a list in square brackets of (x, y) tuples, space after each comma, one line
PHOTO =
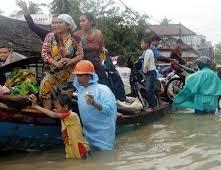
[(189, 37)]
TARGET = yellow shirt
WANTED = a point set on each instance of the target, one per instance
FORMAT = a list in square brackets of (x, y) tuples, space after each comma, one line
[(75, 144)]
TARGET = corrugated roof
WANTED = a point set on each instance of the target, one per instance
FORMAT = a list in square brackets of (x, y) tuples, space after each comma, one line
[(18, 34), (171, 29), (171, 42)]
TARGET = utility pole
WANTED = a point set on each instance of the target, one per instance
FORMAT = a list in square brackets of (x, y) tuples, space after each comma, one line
[(180, 31)]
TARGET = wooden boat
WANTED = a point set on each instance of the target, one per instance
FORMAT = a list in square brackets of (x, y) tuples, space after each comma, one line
[(24, 128)]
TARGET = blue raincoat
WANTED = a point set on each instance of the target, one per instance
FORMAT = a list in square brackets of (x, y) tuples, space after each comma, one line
[(98, 126), (201, 91)]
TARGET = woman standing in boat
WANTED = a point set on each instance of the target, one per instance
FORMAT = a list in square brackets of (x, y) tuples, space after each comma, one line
[(61, 53), (92, 44)]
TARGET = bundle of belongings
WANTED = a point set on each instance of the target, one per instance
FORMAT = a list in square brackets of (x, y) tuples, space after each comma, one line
[(22, 82), (19, 81), (132, 104)]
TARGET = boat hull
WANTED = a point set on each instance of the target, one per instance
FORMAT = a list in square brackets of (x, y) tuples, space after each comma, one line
[(27, 131), (28, 137)]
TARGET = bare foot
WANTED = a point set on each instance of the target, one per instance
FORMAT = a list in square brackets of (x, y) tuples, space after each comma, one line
[(150, 109), (119, 114), (163, 103)]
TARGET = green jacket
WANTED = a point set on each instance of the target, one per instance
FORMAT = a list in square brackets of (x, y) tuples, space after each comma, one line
[(201, 91)]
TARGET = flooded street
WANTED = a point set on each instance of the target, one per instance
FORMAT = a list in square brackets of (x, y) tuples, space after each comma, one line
[(180, 141)]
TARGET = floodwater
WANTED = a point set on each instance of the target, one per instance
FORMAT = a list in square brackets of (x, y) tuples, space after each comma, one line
[(180, 141)]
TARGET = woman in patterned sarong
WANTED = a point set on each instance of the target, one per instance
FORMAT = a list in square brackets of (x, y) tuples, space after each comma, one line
[(60, 53)]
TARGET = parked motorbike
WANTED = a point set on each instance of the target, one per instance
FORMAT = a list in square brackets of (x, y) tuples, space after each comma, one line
[(137, 84), (175, 80)]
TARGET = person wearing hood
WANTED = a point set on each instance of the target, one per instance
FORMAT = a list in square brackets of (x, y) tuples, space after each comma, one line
[(60, 53), (202, 89), (97, 107)]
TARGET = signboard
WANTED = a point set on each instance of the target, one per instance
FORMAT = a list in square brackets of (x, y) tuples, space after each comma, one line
[(44, 19)]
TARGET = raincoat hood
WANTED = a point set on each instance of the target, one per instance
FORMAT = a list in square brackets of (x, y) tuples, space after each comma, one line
[(98, 125), (202, 62), (80, 88)]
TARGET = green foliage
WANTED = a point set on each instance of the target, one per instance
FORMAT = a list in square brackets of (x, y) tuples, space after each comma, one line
[(213, 65), (122, 30), (34, 8), (121, 38), (61, 7)]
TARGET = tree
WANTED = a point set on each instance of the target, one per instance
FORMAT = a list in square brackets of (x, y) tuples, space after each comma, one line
[(122, 30), (165, 21), (61, 6), (33, 8)]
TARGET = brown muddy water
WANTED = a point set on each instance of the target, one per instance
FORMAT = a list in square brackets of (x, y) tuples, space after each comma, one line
[(180, 141)]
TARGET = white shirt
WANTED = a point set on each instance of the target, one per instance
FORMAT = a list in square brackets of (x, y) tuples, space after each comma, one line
[(149, 61), (125, 73)]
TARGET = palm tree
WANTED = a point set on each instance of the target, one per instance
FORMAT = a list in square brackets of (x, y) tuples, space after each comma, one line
[(165, 21)]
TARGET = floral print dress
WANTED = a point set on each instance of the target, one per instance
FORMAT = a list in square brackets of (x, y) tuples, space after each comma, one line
[(56, 80)]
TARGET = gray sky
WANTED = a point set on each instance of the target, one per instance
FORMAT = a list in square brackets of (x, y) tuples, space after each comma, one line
[(201, 16)]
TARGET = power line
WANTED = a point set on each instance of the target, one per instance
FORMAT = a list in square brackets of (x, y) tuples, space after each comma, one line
[(138, 16)]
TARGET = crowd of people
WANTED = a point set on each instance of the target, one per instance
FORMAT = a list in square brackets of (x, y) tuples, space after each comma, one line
[(74, 60)]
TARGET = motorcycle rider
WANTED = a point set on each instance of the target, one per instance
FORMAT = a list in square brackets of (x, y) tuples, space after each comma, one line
[(202, 89)]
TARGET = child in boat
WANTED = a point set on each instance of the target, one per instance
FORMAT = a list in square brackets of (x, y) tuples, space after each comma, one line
[(124, 72), (149, 70), (5, 51), (75, 144)]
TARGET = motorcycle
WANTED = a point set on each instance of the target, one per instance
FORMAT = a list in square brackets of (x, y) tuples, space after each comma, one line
[(175, 80), (137, 84)]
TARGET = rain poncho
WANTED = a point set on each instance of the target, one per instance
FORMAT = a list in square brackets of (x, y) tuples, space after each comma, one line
[(98, 126), (201, 91)]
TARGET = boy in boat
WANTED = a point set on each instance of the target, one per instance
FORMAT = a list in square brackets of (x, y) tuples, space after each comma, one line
[(4, 53), (75, 144), (149, 70), (124, 72)]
